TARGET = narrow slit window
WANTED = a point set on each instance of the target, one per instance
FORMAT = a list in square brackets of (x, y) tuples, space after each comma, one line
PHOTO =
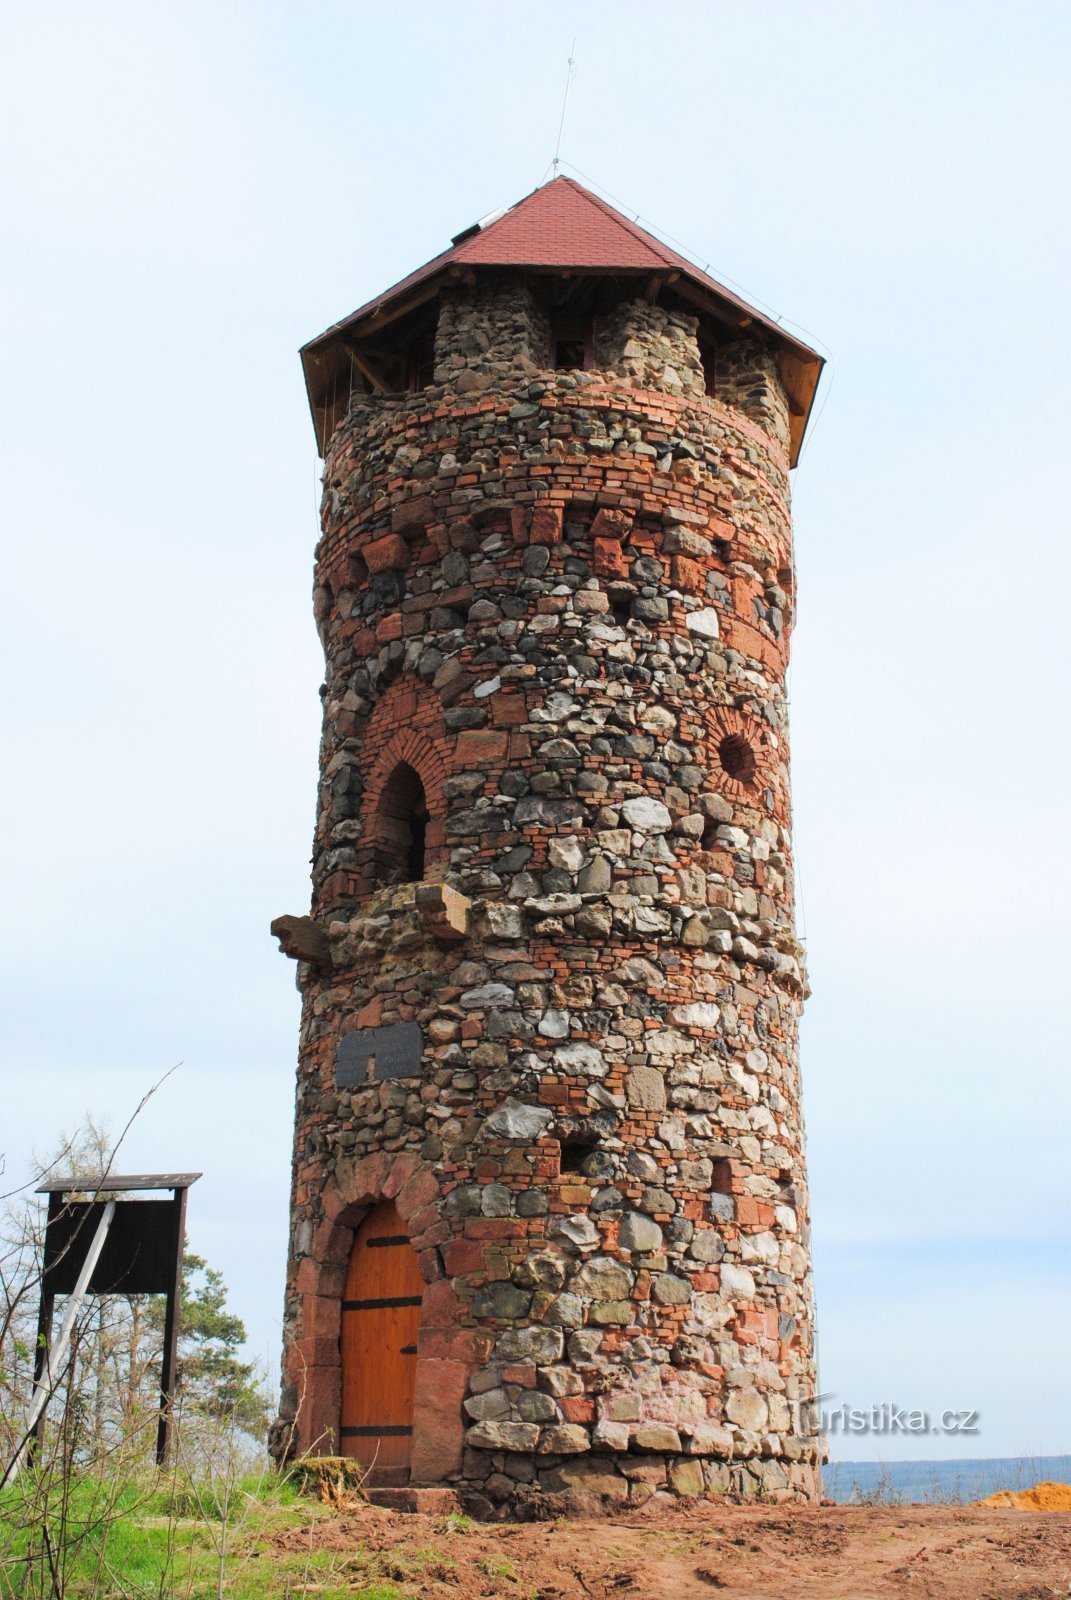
[(621, 608), (721, 1179)]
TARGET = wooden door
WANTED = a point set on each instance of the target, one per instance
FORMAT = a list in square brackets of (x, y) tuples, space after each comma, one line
[(380, 1322)]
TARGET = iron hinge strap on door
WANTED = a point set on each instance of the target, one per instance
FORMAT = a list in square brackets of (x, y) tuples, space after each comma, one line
[(382, 1305), (390, 1430)]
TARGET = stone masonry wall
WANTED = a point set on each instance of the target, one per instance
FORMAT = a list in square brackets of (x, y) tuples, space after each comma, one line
[(651, 347), (564, 599)]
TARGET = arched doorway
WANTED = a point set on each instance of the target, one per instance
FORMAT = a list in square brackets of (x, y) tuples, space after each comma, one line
[(380, 1323)]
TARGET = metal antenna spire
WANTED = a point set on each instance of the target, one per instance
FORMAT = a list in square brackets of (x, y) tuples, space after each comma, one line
[(565, 104)]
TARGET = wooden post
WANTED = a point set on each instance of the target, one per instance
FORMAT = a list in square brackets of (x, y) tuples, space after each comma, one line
[(45, 1309), (54, 1359), (171, 1324)]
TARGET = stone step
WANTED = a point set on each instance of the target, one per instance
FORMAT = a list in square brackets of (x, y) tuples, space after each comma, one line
[(430, 1501)]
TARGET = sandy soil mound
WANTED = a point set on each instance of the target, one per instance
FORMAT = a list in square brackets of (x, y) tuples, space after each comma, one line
[(693, 1552), (1042, 1497)]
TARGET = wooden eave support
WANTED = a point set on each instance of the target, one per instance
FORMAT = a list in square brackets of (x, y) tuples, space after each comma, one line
[(367, 369), (656, 283), (722, 312), (573, 284), (399, 308)]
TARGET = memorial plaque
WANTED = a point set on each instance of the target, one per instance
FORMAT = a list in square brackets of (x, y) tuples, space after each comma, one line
[(375, 1055)]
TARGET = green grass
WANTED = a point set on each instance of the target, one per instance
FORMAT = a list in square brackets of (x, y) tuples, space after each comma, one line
[(161, 1539)]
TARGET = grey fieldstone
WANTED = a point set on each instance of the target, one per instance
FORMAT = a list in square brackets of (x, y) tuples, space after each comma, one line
[(610, 1313), (657, 1437), (513, 1120), (581, 1058), (737, 1282), (542, 1345), (596, 877), (566, 1311), (578, 1230), (567, 1439), (747, 1409), (501, 1300), (645, 1088), (704, 622), (541, 1271), (639, 1233), (706, 1245), (670, 1290), (533, 1406), (610, 1436), (486, 1407), (488, 995), (520, 1436), (603, 1278), (646, 815)]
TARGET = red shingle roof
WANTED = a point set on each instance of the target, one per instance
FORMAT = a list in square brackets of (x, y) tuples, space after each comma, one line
[(564, 226)]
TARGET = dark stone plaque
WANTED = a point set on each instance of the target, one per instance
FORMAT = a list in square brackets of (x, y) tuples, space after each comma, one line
[(373, 1055)]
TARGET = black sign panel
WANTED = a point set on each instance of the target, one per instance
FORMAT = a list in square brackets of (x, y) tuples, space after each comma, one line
[(139, 1254), (374, 1055)]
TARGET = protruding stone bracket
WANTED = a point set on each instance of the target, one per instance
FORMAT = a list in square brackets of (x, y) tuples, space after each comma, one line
[(611, 524), (485, 513), (388, 554), (443, 912), (413, 517), (302, 939), (546, 524)]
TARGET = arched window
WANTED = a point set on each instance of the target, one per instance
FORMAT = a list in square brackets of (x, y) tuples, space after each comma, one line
[(401, 827)]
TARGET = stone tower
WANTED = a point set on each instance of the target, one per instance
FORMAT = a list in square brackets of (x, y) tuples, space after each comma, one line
[(549, 1214)]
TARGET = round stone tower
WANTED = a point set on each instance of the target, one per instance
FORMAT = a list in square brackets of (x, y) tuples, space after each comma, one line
[(549, 1214)]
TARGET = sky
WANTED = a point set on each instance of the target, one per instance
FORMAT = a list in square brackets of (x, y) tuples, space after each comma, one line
[(187, 194)]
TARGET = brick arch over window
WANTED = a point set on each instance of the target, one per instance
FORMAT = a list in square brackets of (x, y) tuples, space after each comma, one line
[(403, 808), (743, 758)]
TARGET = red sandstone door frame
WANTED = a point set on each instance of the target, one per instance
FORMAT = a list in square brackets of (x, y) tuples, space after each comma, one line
[(449, 1349)]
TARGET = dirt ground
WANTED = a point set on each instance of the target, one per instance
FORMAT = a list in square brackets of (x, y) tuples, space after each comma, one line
[(751, 1552)]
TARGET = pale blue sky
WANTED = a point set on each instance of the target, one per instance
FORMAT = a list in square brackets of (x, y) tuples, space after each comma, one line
[(187, 195)]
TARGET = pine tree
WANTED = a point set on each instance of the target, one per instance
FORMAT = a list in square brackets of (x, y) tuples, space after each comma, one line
[(209, 1371)]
